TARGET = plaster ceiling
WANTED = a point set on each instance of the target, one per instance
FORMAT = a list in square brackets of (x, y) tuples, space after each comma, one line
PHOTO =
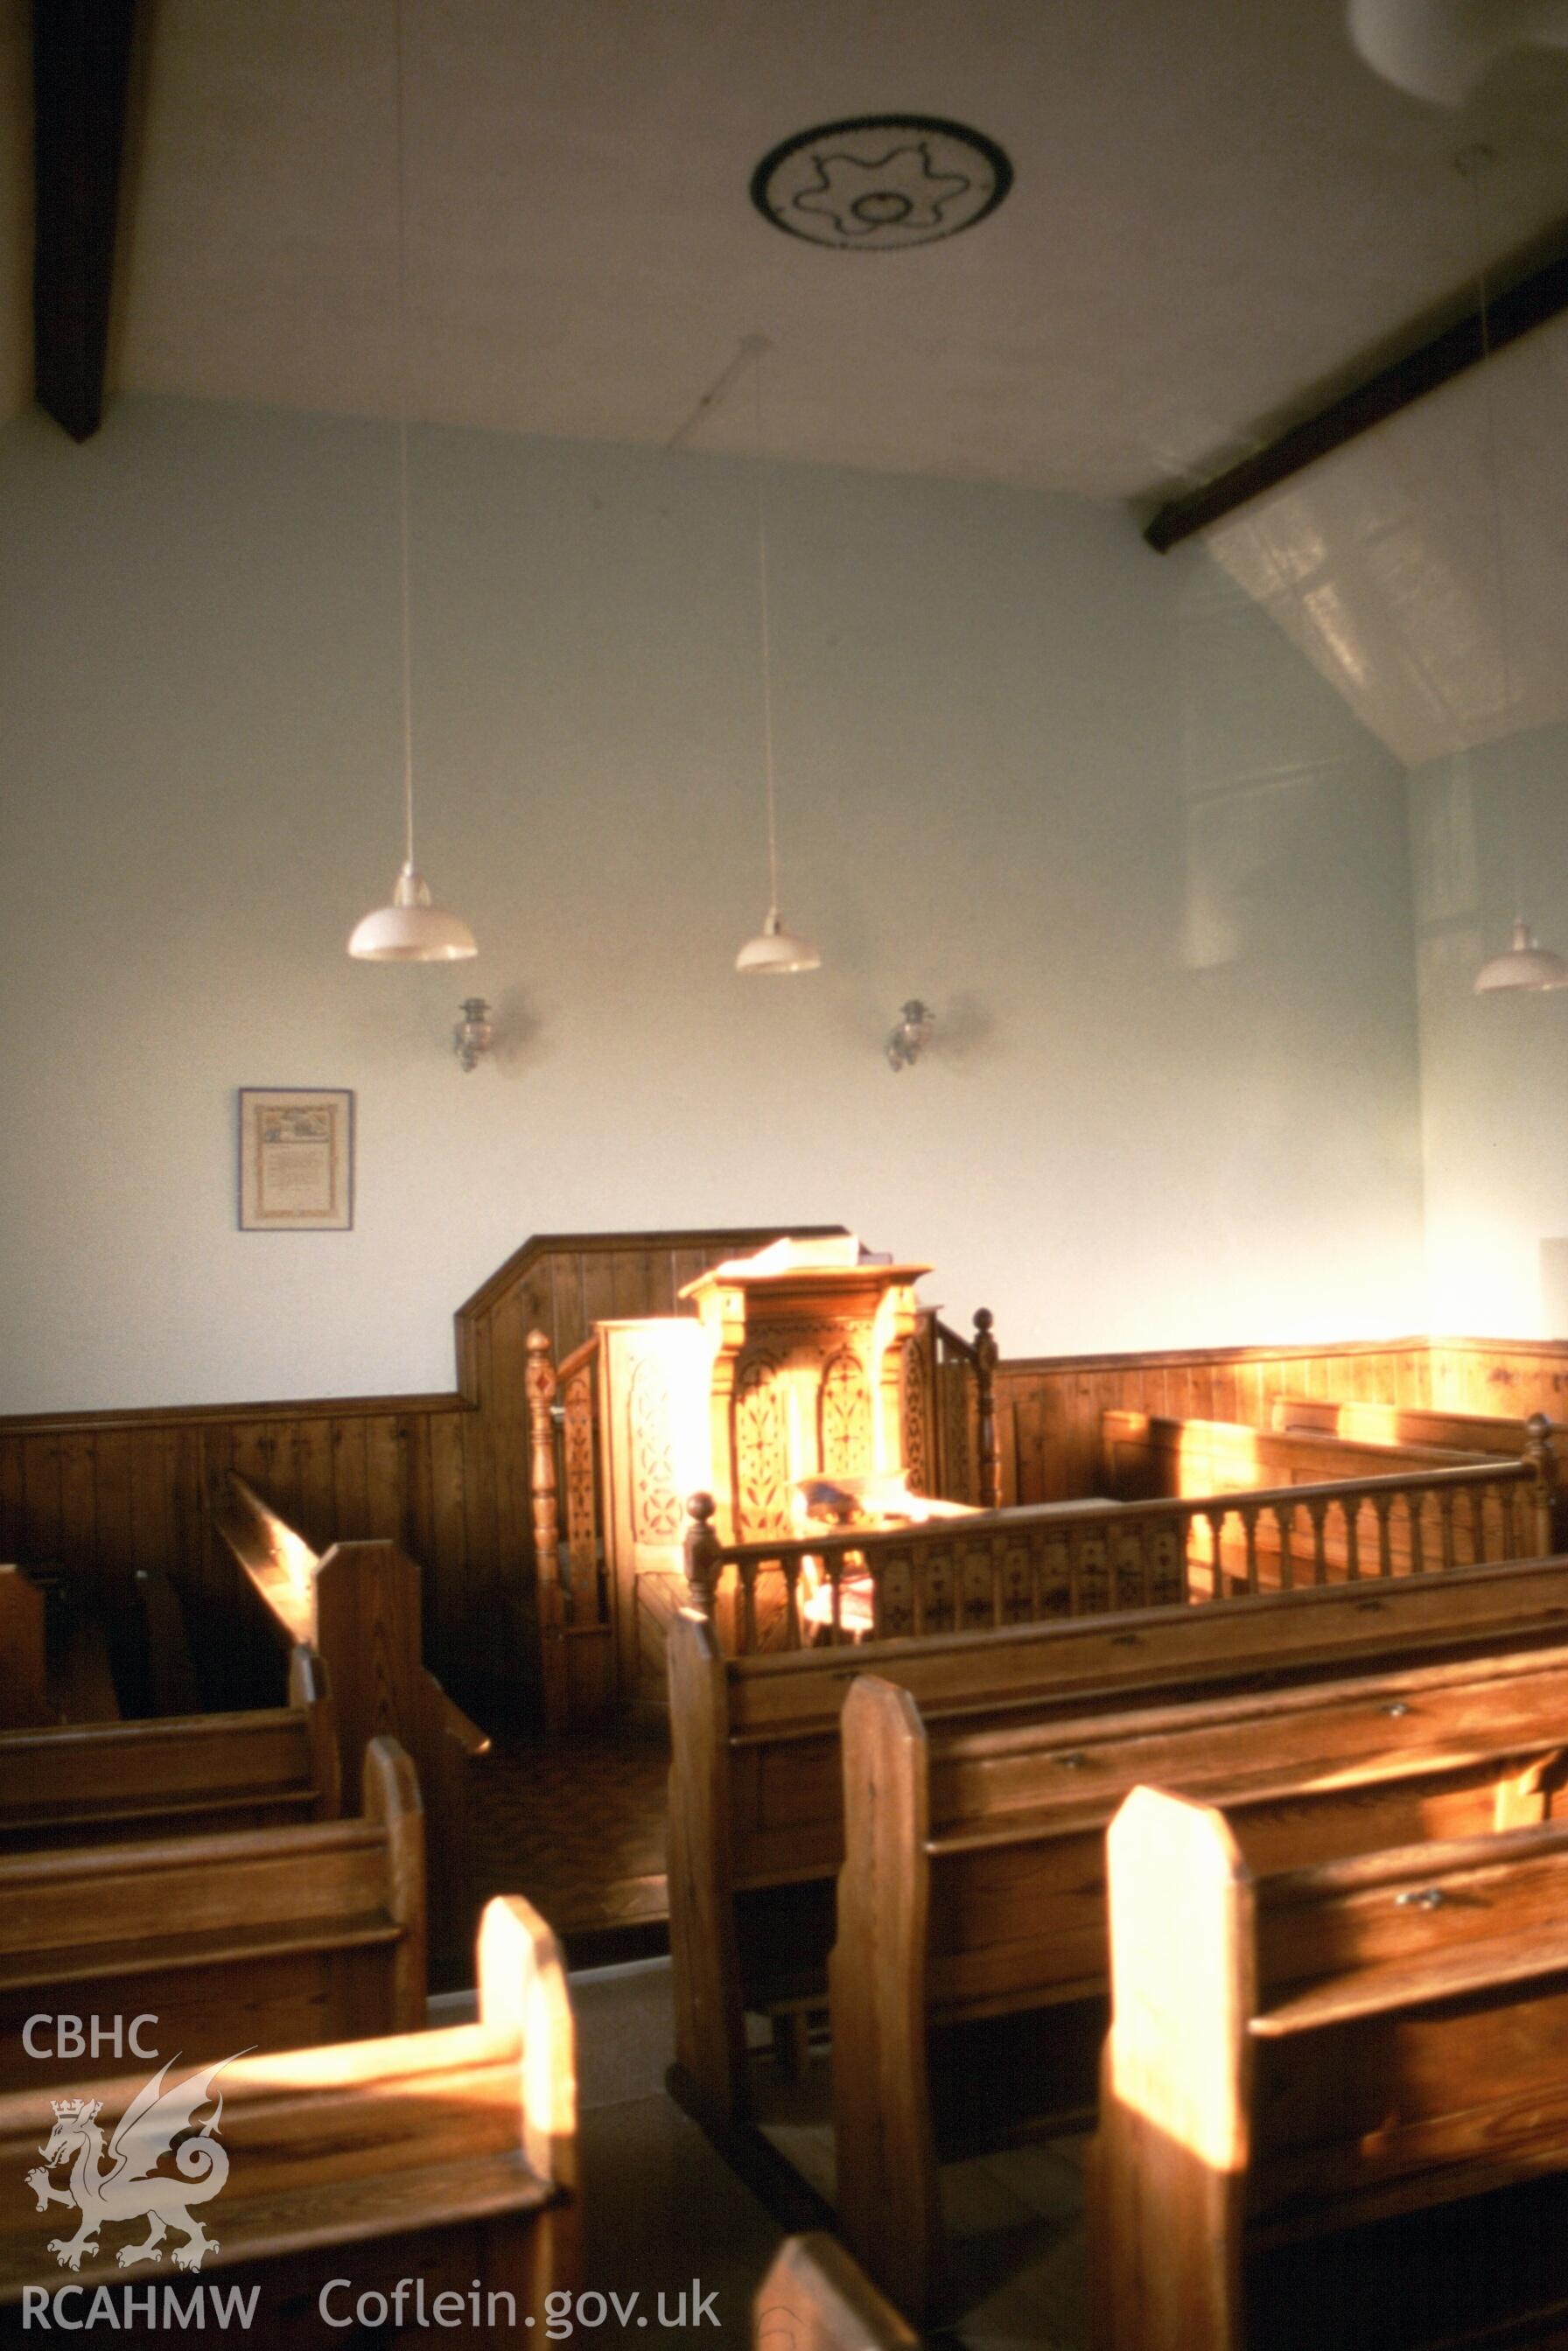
[(1219, 212), (1442, 622), (1217, 207)]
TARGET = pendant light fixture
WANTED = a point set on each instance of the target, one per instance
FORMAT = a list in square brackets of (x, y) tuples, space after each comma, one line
[(1525, 965), (1439, 49), (776, 948), (409, 930)]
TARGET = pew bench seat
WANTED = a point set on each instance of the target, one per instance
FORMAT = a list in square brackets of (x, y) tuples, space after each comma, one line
[(969, 1978), (447, 2155), (269, 1938), (1372, 2044), (200, 1774)]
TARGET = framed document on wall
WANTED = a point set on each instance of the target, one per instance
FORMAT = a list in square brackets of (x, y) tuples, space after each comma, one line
[(295, 1159)]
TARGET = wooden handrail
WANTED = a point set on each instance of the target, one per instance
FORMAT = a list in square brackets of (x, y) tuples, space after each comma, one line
[(579, 1355), (866, 1550)]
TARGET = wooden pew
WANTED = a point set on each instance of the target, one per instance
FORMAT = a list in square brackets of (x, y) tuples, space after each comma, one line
[(755, 1795), (1145, 1455), (1400, 1424), (185, 1775), (1318, 2050), (267, 1938), (815, 2298), (970, 1972), (358, 1607), (23, 1670), (444, 2156)]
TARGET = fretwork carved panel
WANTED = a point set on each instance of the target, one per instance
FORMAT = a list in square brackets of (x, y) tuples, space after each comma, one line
[(658, 1510), (761, 1461), (844, 1418)]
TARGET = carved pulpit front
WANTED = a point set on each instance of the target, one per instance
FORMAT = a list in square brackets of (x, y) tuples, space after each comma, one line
[(810, 1358)]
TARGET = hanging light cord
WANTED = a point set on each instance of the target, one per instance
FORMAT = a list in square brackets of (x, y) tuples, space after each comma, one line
[(766, 647), (1471, 162), (401, 358)]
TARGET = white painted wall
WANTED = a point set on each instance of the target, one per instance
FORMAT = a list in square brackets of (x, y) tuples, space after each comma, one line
[(1486, 837), (1086, 801)]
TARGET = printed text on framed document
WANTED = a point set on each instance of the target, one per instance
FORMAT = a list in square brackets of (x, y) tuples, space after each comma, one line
[(295, 1159)]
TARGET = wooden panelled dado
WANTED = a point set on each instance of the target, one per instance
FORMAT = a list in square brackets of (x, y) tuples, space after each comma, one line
[(1048, 1408), (445, 1477), (1511, 1376)]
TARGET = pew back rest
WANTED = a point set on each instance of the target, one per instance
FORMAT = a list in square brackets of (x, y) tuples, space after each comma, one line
[(374, 2138), (1399, 1425), (271, 1937), (1325, 2047), (23, 1670), (995, 1836), (1151, 1454), (763, 1731), (81, 1900), (68, 1784)]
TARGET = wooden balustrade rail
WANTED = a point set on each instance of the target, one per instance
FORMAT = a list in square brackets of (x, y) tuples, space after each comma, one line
[(1022, 1566), (566, 1493)]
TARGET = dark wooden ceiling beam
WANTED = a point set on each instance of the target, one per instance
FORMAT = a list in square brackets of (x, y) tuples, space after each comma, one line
[(82, 64), (1528, 303)]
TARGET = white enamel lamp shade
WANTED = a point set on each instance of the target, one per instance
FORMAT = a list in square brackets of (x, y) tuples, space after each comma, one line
[(775, 948), (411, 930), (1523, 965), (1439, 49)]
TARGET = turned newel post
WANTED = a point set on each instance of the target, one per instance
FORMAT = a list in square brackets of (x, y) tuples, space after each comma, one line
[(1542, 1458), (703, 1561), (986, 1353), (540, 1388)]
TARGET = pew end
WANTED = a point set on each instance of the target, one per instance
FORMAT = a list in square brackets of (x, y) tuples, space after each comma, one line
[(814, 2298), (446, 2155), (1172, 2138)]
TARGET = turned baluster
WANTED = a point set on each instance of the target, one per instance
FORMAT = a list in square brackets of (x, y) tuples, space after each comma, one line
[(1445, 1523), (791, 1567), (1415, 1512), (1480, 1496), (748, 1607), (1285, 1521), (1216, 1536), (1542, 1460), (1249, 1516), (986, 1354), (1318, 1513), (703, 1561), (539, 1390), (835, 1582), (1351, 1513), (1384, 1504)]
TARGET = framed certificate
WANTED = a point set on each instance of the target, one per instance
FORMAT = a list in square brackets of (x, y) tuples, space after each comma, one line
[(295, 1159)]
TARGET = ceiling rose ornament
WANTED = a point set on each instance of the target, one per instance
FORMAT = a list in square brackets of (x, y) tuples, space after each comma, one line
[(881, 182)]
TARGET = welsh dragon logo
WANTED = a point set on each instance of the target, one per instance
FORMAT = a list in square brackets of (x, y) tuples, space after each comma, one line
[(129, 2187)]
